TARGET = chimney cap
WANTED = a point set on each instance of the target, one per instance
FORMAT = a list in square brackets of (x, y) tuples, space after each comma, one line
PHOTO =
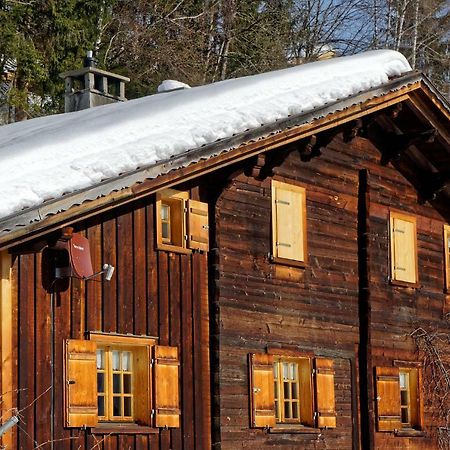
[(80, 72), (89, 61)]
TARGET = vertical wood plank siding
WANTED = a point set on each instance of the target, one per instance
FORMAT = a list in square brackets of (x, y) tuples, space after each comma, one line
[(151, 293), (259, 304)]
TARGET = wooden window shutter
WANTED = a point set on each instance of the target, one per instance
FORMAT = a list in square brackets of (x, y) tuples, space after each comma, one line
[(388, 398), (403, 248), (324, 390), (262, 396), (80, 383), (166, 369), (288, 221), (142, 385), (198, 230)]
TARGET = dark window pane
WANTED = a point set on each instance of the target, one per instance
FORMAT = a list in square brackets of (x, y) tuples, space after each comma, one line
[(295, 410), (116, 383), (405, 418), (287, 391), (295, 391), (127, 383), (127, 406), (117, 406), (404, 397), (100, 382), (287, 412), (101, 406)]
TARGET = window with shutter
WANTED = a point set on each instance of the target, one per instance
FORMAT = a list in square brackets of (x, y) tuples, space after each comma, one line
[(181, 223), (403, 246), (115, 378), (399, 404), (447, 255), (388, 398), (288, 222), (287, 394)]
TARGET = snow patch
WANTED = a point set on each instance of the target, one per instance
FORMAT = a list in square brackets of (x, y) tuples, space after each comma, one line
[(46, 157)]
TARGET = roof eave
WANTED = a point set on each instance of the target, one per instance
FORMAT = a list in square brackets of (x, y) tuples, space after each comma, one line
[(53, 214)]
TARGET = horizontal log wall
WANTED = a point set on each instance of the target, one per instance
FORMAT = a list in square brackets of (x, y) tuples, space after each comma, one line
[(151, 293), (397, 311), (260, 304)]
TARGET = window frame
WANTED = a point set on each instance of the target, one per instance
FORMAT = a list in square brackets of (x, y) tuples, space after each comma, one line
[(414, 401), (388, 418), (132, 344), (306, 362), (447, 257), (300, 190), (171, 197), (397, 215)]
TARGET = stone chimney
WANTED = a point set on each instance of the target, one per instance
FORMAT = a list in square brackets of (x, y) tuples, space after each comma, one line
[(90, 86)]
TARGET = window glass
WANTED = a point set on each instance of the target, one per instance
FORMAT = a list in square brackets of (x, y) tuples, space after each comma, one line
[(115, 384), (287, 391)]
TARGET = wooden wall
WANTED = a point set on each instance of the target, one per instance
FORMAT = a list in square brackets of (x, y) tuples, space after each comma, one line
[(259, 304), (152, 293)]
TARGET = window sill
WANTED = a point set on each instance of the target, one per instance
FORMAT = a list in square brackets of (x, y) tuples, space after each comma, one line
[(287, 262), (294, 429), (409, 432), (123, 428), (406, 284), (174, 249)]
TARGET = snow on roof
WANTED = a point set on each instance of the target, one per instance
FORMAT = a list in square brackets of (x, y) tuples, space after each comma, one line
[(47, 157)]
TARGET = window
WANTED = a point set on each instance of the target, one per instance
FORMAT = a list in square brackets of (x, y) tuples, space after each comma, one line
[(288, 223), (115, 384), (292, 404), (115, 379), (403, 247), (447, 255), (286, 392), (398, 398), (181, 223)]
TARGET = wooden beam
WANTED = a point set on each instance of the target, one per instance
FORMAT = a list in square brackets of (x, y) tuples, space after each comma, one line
[(399, 143), (6, 327)]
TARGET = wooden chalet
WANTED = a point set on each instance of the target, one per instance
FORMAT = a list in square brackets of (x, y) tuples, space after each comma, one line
[(265, 291)]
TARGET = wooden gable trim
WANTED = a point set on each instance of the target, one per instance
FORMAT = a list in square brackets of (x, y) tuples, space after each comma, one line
[(86, 209)]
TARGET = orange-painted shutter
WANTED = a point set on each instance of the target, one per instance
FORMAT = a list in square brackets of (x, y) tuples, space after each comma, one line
[(142, 385), (166, 369), (388, 398), (403, 249), (262, 394), (198, 230), (80, 383), (324, 390), (289, 221)]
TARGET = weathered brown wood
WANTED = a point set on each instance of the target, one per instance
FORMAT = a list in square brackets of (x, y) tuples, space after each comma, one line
[(43, 358), (109, 301), (26, 344), (94, 288)]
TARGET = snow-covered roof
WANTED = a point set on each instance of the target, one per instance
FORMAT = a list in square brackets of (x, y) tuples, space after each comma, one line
[(48, 157)]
